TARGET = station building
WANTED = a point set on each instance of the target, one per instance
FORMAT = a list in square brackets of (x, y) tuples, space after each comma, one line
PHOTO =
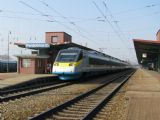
[(43, 54), (148, 52)]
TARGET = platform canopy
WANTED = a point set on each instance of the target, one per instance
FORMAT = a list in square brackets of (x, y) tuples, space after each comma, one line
[(148, 52), (38, 46)]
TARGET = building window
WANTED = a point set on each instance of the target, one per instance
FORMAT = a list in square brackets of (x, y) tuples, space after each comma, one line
[(54, 39), (26, 63)]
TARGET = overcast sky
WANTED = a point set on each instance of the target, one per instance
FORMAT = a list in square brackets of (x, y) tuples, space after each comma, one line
[(109, 25)]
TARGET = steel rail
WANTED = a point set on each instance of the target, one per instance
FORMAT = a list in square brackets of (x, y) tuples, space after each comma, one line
[(32, 92), (54, 110), (32, 84), (102, 103), (22, 92)]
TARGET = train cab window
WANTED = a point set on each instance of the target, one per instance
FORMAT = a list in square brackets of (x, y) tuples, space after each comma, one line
[(80, 56), (67, 57)]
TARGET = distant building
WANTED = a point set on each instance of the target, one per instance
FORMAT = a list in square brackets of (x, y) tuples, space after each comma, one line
[(58, 38)]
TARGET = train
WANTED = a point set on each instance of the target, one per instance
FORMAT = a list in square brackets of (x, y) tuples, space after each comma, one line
[(73, 63), (12, 66)]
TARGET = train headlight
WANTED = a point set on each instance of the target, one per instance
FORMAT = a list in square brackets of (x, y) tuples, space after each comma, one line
[(56, 64), (71, 64)]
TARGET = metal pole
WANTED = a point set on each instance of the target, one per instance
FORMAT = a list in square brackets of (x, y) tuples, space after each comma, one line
[(8, 52)]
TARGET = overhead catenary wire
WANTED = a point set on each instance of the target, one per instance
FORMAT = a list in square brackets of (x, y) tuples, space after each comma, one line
[(137, 9), (69, 21), (24, 18), (79, 29), (107, 21), (113, 18), (116, 24), (36, 19), (76, 19), (56, 21)]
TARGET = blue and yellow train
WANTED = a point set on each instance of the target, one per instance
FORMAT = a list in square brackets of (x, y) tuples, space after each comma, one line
[(72, 63)]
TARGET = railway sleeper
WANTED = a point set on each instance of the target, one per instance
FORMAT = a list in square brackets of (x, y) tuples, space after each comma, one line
[(82, 108), (88, 106), (93, 99), (88, 103), (76, 114), (75, 108), (101, 117), (57, 117), (104, 110), (101, 94), (74, 111), (85, 103)]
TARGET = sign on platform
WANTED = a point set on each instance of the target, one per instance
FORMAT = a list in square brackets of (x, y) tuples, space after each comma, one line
[(37, 45)]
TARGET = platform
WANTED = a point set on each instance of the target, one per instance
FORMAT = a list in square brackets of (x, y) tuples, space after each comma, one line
[(143, 91), (9, 79)]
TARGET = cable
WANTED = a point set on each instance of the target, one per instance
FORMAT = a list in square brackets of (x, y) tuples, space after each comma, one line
[(115, 22), (45, 15), (109, 23), (26, 13), (23, 18), (140, 8), (79, 29)]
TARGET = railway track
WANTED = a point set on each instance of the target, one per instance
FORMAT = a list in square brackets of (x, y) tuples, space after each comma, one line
[(31, 88), (87, 105), (18, 93), (32, 84)]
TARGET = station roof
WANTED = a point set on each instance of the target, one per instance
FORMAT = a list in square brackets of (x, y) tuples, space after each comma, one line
[(33, 56), (53, 46), (67, 45), (22, 45), (150, 47)]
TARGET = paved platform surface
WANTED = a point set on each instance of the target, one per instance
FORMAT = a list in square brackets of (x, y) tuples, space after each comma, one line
[(143, 91), (8, 79)]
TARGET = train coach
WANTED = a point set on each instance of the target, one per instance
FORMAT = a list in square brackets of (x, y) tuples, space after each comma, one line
[(72, 63), (12, 66)]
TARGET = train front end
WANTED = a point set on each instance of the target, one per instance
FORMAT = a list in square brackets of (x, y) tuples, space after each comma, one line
[(67, 64)]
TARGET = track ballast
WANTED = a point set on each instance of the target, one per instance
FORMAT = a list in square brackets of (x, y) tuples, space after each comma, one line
[(88, 104)]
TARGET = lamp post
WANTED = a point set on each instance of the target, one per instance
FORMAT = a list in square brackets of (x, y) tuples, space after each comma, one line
[(8, 52)]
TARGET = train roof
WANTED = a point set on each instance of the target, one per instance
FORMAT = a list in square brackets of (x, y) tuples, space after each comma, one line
[(6, 61), (102, 54), (94, 52)]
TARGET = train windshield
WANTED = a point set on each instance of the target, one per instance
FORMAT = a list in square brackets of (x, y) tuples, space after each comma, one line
[(67, 56)]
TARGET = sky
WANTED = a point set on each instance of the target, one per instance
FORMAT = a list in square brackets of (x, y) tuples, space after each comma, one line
[(108, 26)]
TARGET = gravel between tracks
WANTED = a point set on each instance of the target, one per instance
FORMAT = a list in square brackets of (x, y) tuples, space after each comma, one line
[(21, 109), (117, 107)]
